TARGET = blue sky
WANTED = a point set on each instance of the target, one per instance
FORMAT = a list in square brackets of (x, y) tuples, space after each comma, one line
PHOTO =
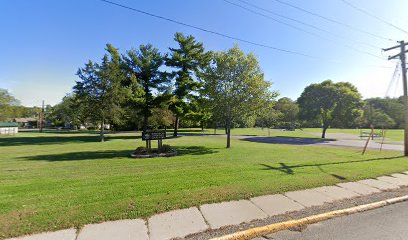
[(43, 42)]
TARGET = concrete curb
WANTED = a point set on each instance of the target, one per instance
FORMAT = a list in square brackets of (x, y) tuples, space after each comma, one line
[(259, 231)]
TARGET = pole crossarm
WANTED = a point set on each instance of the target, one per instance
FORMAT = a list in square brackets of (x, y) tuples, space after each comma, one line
[(396, 56), (391, 48), (388, 49)]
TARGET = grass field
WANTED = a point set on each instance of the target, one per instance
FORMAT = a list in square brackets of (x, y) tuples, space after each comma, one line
[(52, 181)]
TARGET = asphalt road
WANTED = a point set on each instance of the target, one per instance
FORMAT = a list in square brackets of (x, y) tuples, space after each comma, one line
[(387, 223), (337, 140)]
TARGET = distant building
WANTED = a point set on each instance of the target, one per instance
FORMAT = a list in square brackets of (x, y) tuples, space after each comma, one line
[(26, 122), (8, 128)]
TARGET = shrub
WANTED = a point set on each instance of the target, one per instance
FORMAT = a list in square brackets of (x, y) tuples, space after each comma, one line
[(166, 148)]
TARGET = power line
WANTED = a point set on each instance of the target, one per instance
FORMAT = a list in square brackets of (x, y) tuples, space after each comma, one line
[(209, 31), (308, 25), (225, 35), (302, 30), (271, 18), (373, 16), (333, 21)]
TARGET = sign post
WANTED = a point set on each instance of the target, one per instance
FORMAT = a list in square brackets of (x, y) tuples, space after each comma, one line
[(149, 135)]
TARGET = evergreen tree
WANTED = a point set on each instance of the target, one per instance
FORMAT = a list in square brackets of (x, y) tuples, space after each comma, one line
[(100, 89), (188, 59), (143, 72)]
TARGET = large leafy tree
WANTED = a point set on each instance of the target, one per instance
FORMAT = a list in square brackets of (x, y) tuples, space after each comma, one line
[(188, 59), (289, 112), (7, 102), (381, 120), (143, 71), (268, 116), (330, 103), (235, 85), (100, 88), (392, 107), (199, 111), (161, 117), (68, 112)]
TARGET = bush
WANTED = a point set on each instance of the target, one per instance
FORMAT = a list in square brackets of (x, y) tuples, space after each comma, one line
[(166, 148), (140, 150)]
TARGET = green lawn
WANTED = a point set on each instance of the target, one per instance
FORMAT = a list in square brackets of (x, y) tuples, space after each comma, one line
[(52, 181)]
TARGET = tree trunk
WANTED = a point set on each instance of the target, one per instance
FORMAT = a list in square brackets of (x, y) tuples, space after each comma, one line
[(269, 132), (228, 129), (176, 123), (324, 132), (145, 121), (102, 132), (228, 137)]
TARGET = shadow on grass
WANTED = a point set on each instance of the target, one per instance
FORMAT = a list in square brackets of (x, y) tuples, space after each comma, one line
[(289, 169), (288, 140), (186, 131), (111, 154), (77, 156), (194, 150), (48, 140)]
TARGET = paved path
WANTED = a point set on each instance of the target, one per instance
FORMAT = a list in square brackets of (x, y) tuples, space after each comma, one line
[(323, 142), (332, 139), (347, 136), (183, 222), (387, 223)]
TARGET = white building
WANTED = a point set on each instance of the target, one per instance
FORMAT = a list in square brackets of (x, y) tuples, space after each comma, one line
[(8, 128)]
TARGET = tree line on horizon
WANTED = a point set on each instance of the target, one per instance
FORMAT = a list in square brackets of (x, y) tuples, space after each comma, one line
[(191, 87)]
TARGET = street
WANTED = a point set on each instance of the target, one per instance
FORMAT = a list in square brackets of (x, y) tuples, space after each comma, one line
[(387, 223)]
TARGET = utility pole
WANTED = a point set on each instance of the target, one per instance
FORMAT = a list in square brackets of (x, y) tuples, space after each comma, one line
[(401, 56), (42, 117)]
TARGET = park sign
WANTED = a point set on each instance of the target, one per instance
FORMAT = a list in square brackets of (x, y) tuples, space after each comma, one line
[(153, 135), (148, 135)]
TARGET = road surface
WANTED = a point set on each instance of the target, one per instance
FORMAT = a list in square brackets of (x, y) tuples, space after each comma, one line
[(387, 223)]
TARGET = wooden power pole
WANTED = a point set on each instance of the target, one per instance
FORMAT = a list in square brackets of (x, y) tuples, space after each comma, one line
[(401, 56)]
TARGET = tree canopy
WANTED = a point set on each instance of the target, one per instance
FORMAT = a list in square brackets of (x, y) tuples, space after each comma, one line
[(235, 85), (330, 103), (289, 111), (188, 60), (143, 72), (100, 89), (7, 101), (192, 87), (392, 107)]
